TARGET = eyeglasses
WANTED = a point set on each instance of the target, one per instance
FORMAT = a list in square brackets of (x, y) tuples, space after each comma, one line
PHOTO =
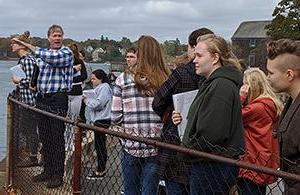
[(130, 57)]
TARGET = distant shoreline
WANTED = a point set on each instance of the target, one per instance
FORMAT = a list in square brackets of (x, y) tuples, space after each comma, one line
[(8, 59)]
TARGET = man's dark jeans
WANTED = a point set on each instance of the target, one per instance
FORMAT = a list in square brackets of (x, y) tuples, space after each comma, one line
[(52, 132)]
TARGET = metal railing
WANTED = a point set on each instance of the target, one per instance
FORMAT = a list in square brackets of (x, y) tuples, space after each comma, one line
[(81, 157)]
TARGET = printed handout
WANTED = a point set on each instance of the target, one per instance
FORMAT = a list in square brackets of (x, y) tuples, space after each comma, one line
[(89, 93), (18, 72), (182, 103)]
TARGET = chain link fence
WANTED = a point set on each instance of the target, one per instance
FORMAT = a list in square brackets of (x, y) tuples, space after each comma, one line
[(77, 151)]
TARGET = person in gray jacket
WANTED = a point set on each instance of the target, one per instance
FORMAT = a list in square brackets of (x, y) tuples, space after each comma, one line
[(100, 107), (283, 67)]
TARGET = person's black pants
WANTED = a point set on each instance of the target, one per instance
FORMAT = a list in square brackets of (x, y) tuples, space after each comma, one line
[(51, 132), (100, 144), (82, 112), (29, 130)]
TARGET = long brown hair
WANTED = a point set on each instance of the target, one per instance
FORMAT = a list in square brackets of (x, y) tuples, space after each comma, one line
[(75, 50), (150, 72)]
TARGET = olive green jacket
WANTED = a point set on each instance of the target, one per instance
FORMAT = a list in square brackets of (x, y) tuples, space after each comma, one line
[(214, 119)]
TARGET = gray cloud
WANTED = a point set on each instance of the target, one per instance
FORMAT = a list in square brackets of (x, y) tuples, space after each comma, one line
[(164, 19)]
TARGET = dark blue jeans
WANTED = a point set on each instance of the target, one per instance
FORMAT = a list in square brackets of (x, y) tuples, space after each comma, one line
[(175, 188), (139, 174), (51, 132), (212, 178), (247, 187)]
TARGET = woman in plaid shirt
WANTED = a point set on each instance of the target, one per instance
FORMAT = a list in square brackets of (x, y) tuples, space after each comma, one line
[(28, 123), (132, 109)]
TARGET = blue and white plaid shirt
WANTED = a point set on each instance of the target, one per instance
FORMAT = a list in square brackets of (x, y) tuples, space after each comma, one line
[(27, 63), (56, 69)]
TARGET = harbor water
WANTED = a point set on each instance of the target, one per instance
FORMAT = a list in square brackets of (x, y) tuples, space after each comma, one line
[(6, 86)]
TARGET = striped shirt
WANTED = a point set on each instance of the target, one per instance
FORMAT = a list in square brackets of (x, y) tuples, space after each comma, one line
[(133, 111), (27, 63), (56, 70)]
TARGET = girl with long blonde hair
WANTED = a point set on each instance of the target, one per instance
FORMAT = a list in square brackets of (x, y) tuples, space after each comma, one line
[(260, 87), (260, 112)]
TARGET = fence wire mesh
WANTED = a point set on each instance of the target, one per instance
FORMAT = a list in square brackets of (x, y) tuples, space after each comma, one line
[(44, 143)]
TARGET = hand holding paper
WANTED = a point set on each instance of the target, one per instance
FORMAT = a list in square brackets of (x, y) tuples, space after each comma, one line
[(15, 79), (176, 118)]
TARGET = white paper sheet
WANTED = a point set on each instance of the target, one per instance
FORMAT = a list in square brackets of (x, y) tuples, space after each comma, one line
[(89, 93), (182, 103), (18, 72)]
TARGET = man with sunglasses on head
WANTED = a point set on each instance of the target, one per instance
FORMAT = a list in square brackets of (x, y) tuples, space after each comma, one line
[(54, 80)]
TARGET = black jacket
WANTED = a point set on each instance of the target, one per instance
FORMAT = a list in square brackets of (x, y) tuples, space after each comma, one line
[(77, 80), (182, 79)]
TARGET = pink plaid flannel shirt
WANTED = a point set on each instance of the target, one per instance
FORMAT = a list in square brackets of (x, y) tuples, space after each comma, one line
[(133, 111)]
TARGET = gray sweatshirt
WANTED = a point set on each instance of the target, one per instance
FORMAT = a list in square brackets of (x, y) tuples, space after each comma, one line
[(101, 107)]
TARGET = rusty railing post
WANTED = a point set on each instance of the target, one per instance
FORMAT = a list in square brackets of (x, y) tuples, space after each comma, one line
[(10, 142), (77, 160)]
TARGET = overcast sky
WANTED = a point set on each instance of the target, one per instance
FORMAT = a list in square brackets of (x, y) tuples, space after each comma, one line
[(163, 19)]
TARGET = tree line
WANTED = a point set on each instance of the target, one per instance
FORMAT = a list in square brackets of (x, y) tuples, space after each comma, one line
[(108, 50)]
